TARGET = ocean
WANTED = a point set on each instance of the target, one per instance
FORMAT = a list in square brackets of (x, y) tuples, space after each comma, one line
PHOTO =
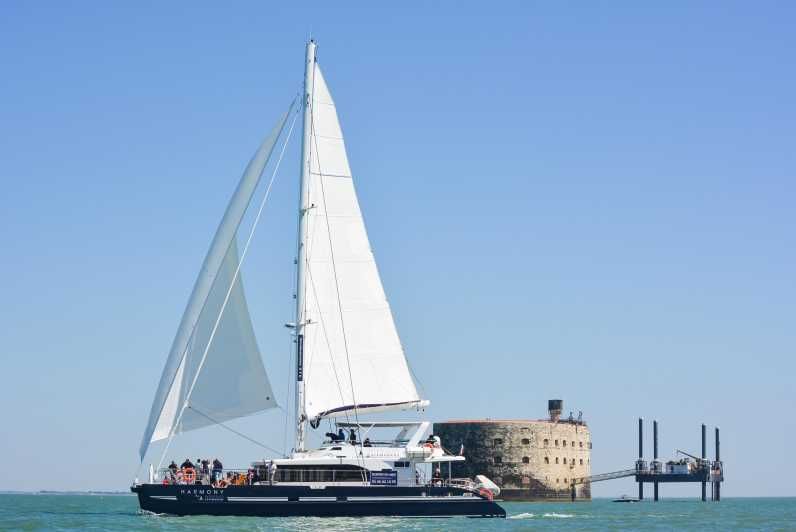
[(120, 512)]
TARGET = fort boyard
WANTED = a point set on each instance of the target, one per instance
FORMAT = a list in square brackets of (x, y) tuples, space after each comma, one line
[(530, 460)]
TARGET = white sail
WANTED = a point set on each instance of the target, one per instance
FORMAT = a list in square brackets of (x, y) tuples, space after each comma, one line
[(231, 382), (353, 357)]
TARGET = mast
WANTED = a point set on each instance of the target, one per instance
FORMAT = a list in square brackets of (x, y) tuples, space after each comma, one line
[(309, 72)]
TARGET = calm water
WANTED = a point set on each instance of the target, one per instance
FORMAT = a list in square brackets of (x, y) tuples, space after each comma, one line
[(95, 512)]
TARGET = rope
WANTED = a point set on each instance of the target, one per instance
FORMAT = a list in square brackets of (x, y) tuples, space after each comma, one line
[(244, 436), (229, 290)]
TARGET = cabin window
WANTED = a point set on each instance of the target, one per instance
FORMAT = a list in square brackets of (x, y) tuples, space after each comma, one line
[(546, 442), (546, 460), (526, 460), (498, 459), (526, 441), (498, 441), (401, 464)]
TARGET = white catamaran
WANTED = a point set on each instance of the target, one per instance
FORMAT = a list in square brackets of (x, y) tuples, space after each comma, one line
[(350, 363)]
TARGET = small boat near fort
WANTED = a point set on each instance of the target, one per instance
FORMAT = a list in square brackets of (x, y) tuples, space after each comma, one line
[(349, 363)]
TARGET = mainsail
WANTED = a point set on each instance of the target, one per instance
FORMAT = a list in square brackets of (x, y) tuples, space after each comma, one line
[(352, 355), (214, 371)]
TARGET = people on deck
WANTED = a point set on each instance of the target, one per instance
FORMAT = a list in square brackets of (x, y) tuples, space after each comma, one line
[(272, 472), (436, 480), (352, 437), (218, 467), (366, 443), (186, 464)]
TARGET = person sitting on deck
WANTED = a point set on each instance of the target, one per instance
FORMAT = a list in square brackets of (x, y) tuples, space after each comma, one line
[(352, 437), (334, 438), (366, 443)]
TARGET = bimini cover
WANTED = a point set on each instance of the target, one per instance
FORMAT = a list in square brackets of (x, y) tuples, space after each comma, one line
[(214, 357)]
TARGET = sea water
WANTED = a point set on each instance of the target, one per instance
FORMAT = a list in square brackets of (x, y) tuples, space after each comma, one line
[(120, 512)]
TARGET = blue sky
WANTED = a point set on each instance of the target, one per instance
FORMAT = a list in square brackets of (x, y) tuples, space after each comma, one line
[(591, 201)]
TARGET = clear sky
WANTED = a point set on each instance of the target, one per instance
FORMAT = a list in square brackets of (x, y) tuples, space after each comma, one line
[(591, 201)]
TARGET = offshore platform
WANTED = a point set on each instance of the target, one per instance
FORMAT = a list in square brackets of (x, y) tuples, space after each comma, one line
[(690, 468)]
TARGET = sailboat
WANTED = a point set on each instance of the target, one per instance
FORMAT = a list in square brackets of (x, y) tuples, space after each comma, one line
[(349, 363)]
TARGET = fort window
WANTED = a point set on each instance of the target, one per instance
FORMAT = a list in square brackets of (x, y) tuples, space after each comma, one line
[(546, 459), (565, 481), (589, 445), (556, 443), (546, 442), (564, 443), (565, 460), (498, 441), (498, 459), (581, 461), (526, 460), (526, 441), (556, 481), (556, 459), (581, 443)]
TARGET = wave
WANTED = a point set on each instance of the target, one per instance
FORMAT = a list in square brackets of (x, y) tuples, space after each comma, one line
[(560, 516), (524, 515)]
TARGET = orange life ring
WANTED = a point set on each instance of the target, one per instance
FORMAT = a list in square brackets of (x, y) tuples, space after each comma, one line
[(190, 475)]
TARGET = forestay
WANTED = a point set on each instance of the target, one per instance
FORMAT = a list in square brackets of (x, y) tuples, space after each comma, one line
[(352, 353), (225, 378)]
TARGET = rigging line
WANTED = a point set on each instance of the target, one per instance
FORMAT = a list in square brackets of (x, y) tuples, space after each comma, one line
[(287, 394), (242, 435), (192, 336), (337, 286), (231, 286)]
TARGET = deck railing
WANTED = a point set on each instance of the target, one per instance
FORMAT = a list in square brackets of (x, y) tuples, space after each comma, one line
[(247, 477)]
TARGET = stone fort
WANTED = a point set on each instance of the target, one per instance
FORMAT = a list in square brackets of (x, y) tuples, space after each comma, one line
[(529, 459)]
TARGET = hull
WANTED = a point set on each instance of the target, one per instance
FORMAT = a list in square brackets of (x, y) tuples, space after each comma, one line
[(331, 501)]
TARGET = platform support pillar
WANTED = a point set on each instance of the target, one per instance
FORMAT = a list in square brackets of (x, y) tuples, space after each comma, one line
[(704, 449), (717, 485), (640, 454), (655, 455)]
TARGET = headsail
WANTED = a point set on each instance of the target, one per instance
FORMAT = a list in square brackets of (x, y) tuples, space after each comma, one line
[(352, 353), (232, 381)]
